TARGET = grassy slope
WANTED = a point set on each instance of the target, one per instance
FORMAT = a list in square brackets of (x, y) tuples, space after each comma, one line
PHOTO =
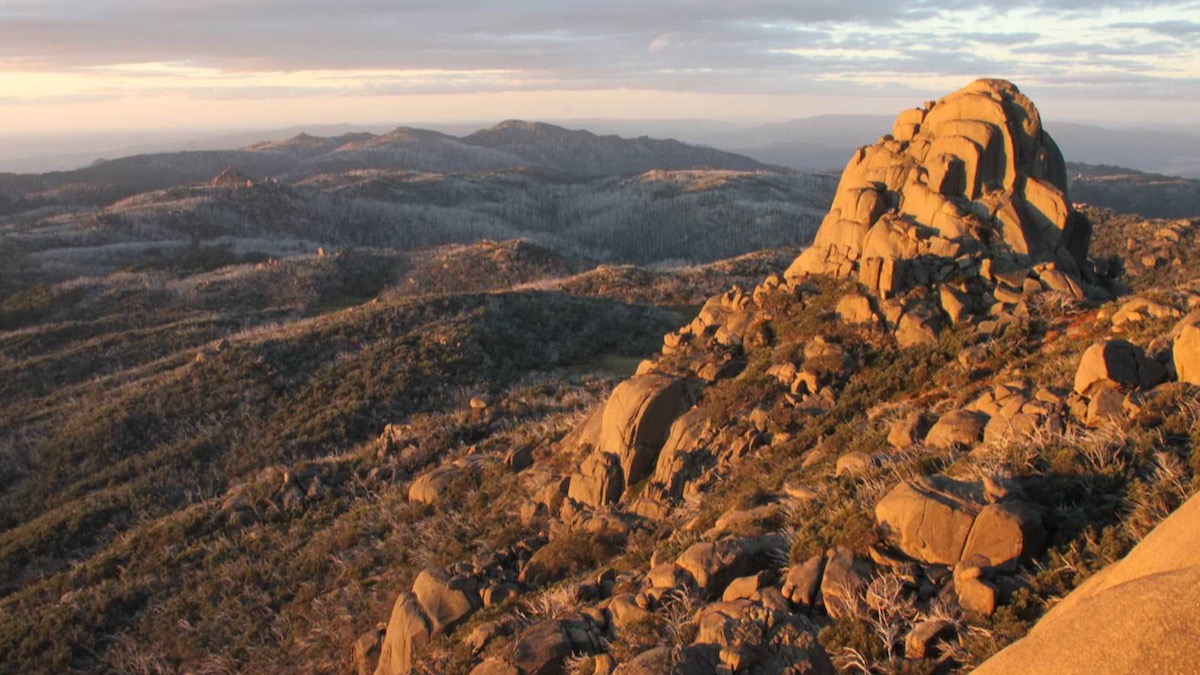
[(119, 441)]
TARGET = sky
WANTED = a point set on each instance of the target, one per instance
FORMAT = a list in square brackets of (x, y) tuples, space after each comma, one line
[(84, 65)]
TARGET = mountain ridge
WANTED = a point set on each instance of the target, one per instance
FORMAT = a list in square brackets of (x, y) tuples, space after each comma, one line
[(403, 148)]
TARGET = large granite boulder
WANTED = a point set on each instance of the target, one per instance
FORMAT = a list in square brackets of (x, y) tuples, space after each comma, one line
[(1115, 364), (408, 631), (1186, 349), (1138, 615), (447, 600), (637, 420), (629, 435), (940, 520)]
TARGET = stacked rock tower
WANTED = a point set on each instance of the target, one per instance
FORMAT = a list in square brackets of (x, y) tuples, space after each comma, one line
[(968, 192)]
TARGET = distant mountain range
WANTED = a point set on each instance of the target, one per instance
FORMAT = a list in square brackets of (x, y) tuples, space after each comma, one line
[(507, 146), (821, 143), (605, 198)]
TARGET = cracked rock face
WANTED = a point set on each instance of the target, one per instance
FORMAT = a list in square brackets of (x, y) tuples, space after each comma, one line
[(939, 520), (969, 177)]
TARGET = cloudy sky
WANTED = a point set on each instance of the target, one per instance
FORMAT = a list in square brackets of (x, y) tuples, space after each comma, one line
[(113, 64)]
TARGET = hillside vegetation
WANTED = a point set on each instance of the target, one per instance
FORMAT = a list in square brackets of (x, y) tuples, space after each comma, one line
[(136, 405), (534, 401)]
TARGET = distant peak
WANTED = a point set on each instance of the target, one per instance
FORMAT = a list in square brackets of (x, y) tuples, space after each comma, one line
[(411, 132), (231, 177), (521, 125)]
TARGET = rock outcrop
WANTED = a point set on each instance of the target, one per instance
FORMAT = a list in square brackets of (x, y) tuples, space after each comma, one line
[(968, 194), (408, 631), (627, 436), (434, 485)]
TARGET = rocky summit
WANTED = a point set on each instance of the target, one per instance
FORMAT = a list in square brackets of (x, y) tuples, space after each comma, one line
[(965, 201), (877, 461)]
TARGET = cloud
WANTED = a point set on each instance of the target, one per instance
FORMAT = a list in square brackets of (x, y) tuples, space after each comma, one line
[(1173, 28), (661, 43), (753, 46)]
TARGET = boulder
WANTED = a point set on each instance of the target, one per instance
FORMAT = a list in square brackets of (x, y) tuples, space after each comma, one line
[(1105, 406), (713, 565), (1001, 429), (918, 642), (1138, 310), (908, 430), (1186, 349), (497, 594), (717, 622), (937, 519), (802, 582), (447, 600), (1115, 364), (637, 420), (435, 484), (749, 638), (1137, 615), (915, 329), (666, 575), (957, 429), (854, 464), (1054, 280), (1004, 532), (855, 309), (743, 588), (542, 649), (519, 458), (408, 631), (955, 304), (842, 584), (626, 612), (974, 593), (599, 481)]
